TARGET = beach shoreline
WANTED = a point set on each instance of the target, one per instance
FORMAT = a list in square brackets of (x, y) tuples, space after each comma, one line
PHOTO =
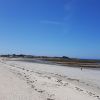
[(49, 85)]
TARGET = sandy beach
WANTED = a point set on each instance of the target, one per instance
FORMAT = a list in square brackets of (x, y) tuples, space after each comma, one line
[(33, 81)]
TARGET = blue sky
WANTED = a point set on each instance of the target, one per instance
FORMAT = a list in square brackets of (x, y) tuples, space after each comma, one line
[(50, 27)]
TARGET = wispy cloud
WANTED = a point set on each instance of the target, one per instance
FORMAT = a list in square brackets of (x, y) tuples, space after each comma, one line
[(67, 5), (50, 22)]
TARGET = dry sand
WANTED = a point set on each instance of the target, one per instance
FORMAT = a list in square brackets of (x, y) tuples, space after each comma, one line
[(20, 82)]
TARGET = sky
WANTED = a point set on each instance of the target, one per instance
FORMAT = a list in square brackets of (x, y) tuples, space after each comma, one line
[(50, 27)]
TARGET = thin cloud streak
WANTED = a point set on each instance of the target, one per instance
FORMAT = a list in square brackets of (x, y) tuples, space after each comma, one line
[(50, 22)]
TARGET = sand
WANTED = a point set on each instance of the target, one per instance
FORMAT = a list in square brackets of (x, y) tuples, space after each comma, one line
[(27, 81)]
